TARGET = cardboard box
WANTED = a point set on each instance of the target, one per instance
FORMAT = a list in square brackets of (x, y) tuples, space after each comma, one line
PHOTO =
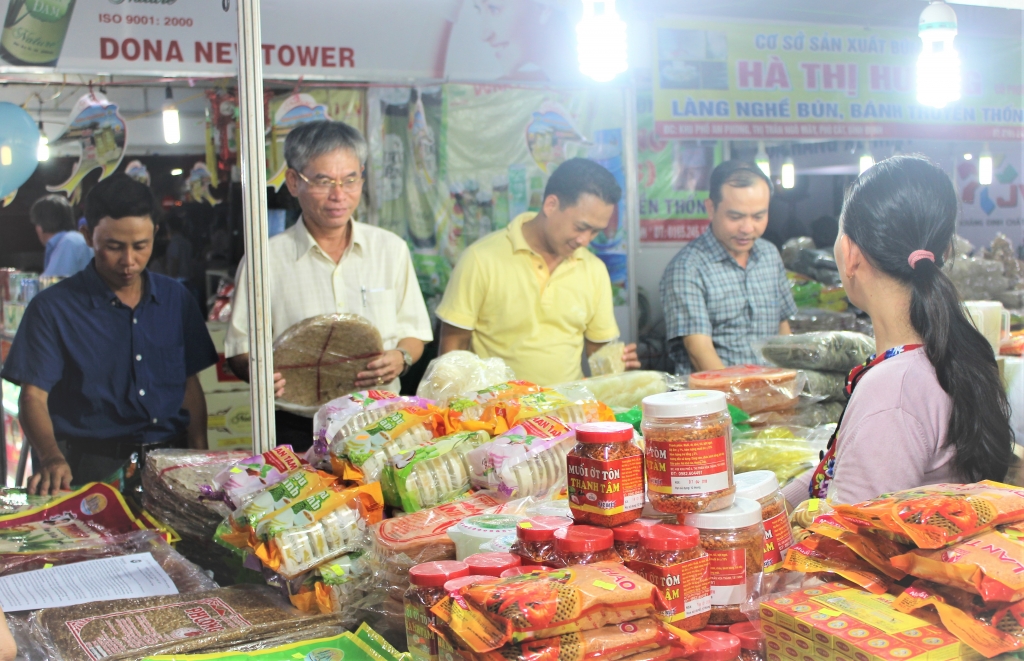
[(219, 378), (229, 420)]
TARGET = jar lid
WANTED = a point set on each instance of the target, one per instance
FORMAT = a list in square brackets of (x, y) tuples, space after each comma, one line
[(604, 432), (742, 513), (755, 485), (716, 646), (683, 404), (541, 528), (724, 628), (457, 584), (583, 539), (487, 525), (491, 564), (519, 571), (436, 574), (628, 532), (668, 537), (749, 634)]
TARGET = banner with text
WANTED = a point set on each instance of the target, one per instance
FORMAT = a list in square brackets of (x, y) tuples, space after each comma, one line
[(746, 81)]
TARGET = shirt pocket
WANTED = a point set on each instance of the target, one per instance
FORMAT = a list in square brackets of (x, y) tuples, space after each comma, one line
[(382, 310), (170, 370)]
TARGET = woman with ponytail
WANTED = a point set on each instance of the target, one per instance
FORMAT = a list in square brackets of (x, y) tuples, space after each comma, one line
[(930, 406)]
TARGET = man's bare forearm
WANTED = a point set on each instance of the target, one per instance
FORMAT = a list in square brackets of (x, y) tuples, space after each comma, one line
[(703, 355), (195, 404), (240, 366), (453, 338), (34, 417)]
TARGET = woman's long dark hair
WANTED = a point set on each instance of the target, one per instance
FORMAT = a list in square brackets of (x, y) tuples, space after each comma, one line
[(904, 204)]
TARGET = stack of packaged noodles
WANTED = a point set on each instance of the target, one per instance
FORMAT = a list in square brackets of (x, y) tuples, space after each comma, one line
[(953, 553)]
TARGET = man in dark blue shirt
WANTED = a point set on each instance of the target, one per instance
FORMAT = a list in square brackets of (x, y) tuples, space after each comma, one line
[(108, 359)]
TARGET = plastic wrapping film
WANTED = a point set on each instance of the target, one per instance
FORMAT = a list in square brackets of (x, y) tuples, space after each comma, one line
[(473, 405), (753, 388), (328, 641), (320, 357), (626, 390), (243, 478), (818, 265), (431, 474), (830, 351), (458, 372), (528, 460), (811, 415), (810, 320), (363, 455), (572, 404), (346, 415), (976, 278), (786, 451), (297, 485), (607, 360), (791, 249), (337, 586), (825, 386)]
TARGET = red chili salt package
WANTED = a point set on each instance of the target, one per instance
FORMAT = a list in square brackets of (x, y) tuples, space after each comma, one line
[(872, 547), (818, 554)]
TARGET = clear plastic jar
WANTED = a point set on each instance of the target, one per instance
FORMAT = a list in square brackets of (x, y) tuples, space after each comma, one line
[(427, 581), (627, 540), (535, 539), (492, 564), (525, 569), (605, 474), (583, 545), (763, 487), (734, 540), (751, 641), (671, 557), (688, 442)]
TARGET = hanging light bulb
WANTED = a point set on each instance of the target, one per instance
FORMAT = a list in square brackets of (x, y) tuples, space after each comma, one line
[(43, 150), (601, 41), (985, 167), (938, 66), (172, 127), (866, 160), (788, 174), (762, 159)]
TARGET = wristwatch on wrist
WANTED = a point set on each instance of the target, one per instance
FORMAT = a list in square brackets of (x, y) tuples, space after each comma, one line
[(406, 358)]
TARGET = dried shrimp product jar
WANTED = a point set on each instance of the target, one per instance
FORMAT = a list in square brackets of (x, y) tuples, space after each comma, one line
[(763, 487), (671, 557), (535, 538), (734, 540), (605, 474), (627, 540), (688, 443), (583, 545), (751, 640), (427, 581), (492, 564), (524, 569)]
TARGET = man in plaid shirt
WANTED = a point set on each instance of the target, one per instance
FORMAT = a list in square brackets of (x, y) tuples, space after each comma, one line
[(728, 288)]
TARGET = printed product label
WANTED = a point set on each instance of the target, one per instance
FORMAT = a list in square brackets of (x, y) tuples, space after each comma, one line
[(687, 467), (777, 538), (605, 487), (686, 586), (421, 640), (728, 577)]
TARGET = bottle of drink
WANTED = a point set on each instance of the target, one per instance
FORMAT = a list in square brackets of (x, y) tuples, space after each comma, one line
[(34, 31)]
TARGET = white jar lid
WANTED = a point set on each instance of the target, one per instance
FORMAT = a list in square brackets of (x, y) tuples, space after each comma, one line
[(755, 485), (743, 513), (683, 404)]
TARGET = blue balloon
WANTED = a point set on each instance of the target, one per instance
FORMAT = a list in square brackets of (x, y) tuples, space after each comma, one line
[(19, 143)]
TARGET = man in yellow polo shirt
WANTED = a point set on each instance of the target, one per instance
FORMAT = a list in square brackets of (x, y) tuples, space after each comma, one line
[(532, 294)]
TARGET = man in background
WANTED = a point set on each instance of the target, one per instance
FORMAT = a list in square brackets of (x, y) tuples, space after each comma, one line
[(67, 252), (727, 288)]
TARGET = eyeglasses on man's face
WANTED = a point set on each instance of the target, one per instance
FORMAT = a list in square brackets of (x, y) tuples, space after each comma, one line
[(323, 184)]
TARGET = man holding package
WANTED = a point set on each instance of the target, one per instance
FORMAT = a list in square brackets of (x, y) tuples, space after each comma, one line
[(532, 294), (328, 263), (728, 288)]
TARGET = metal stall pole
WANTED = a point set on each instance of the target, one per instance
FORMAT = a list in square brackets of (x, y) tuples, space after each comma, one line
[(629, 165), (252, 157)]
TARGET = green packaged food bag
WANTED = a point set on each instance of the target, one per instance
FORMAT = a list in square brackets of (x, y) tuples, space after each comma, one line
[(345, 647), (376, 641), (430, 475), (633, 416)]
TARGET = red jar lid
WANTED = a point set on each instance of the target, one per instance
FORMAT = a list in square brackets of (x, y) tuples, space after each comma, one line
[(628, 532), (716, 646), (491, 564), (749, 634), (457, 584), (541, 528), (436, 574), (724, 628), (668, 537), (583, 539), (519, 571), (604, 432)]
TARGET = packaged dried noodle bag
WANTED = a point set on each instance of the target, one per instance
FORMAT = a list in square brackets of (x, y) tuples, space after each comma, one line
[(819, 554), (990, 564), (361, 456), (299, 484), (573, 404), (253, 474), (346, 645), (342, 417), (527, 460), (471, 406), (489, 614), (430, 474), (936, 516), (991, 629)]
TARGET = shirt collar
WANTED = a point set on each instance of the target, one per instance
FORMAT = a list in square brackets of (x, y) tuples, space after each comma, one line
[(304, 241), (515, 236), (101, 294), (717, 251)]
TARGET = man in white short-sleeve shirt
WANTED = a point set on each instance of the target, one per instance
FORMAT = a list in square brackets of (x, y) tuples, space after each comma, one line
[(328, 263)]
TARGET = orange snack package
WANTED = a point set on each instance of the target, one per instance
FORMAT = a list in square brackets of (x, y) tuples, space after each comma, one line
[(489, 614), (990, 565), (936, 516), (820, 554), (875, 549), (991, 629)]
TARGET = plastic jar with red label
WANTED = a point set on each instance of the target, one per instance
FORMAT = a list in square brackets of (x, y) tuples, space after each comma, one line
[(751, 640), (716, 646), (605, 475), (734, 540), (671, 557), (524, 569), (627, 539), (583, 545), (492, 564), (427, 587), (446, 649), (535, 538), (688, 442), (763, 487)]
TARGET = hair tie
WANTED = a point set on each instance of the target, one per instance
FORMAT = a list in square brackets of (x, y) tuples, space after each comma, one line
[(918, 255)]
